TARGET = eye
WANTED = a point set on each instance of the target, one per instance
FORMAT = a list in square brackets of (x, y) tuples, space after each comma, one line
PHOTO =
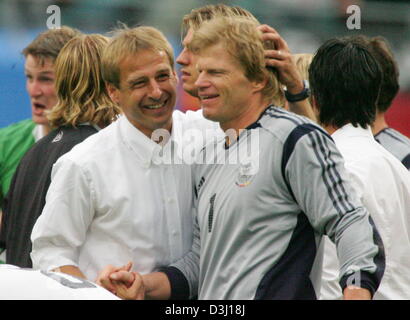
[(163, 77), (138, 84), (45, 79), (215, 72)]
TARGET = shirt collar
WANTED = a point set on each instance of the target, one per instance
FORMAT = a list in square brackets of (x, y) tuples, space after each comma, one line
[(145, 149), (38, 132), (348, 130)]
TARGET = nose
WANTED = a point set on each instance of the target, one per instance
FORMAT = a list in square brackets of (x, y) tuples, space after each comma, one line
[(34, 88), (155, 92), (202, 81), (183, 58)]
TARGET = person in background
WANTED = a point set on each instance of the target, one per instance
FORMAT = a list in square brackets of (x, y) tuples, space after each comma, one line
[(394, 142), (345, 79), (17, 138), (83, 107)]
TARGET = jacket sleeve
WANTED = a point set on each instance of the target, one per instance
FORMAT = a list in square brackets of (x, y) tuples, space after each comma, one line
[(314, 171), (61, 229)]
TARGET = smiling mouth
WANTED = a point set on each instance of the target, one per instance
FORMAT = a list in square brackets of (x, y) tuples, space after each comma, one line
[(208, 97), (156, 106)]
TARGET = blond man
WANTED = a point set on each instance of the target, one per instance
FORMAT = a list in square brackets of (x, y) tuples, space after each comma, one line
[(258, 223), (83, 107)]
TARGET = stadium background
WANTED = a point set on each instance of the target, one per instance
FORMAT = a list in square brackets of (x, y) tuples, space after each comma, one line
[(304, 24)]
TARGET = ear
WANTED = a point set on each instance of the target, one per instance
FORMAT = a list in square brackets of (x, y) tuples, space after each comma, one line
[(113, 92), (314, 105), (259, 86)]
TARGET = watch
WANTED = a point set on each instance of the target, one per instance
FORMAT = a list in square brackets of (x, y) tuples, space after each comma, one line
[(305, 93)]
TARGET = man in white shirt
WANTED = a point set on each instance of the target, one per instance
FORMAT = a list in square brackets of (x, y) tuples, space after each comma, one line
[(346, 106), (115, 198)]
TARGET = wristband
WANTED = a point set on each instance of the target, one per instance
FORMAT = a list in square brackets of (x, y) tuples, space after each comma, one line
[(305, 93)]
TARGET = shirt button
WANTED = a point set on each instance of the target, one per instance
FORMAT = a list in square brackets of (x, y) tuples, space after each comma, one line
[(170, 200)]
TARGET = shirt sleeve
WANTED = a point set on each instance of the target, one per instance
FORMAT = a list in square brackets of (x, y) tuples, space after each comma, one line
[(184, 274), (61, 229), (315, 174)]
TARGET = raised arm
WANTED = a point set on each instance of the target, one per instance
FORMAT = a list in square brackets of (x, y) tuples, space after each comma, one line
[(288, 74)]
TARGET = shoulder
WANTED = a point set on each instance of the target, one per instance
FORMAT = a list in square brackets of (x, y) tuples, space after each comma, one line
[(287, 127), (94, 148), (22, 128), (390, 136), (72, 135), (59, 141), (193, 119), (394, 142)]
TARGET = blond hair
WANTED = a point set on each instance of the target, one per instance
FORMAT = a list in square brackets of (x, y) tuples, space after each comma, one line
[(81, 92), (48, 44), (244, 43), (196, 17), (130, 41), (303, 61)]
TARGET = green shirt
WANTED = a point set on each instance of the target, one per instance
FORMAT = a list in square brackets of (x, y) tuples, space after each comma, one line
[(15, 140)]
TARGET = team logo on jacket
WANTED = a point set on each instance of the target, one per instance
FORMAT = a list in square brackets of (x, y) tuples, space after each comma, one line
[(58, 137), (246, 173)]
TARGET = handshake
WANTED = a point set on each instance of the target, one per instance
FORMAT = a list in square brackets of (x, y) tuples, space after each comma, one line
[(130, 285), (122, 282)]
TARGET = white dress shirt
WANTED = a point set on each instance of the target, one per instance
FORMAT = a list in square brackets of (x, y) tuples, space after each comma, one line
[(110, 201), (383, 184)]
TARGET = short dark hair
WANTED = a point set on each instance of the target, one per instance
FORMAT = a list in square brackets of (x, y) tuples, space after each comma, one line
[(381, 50), (345, 79)]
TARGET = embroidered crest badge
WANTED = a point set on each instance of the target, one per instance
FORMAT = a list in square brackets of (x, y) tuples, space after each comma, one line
[(246, 173)]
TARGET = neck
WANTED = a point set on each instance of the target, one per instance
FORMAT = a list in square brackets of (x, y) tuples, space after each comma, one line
[(160, 136), (379, 124), (243, 120), (330, 129), (45, 129)]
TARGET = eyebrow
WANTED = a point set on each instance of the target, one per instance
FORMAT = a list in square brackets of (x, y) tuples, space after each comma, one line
[(164, 70), (41, 73), (130, 81)]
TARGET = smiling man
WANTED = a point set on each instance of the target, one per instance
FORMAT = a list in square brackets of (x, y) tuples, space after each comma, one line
[(112, 199)]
